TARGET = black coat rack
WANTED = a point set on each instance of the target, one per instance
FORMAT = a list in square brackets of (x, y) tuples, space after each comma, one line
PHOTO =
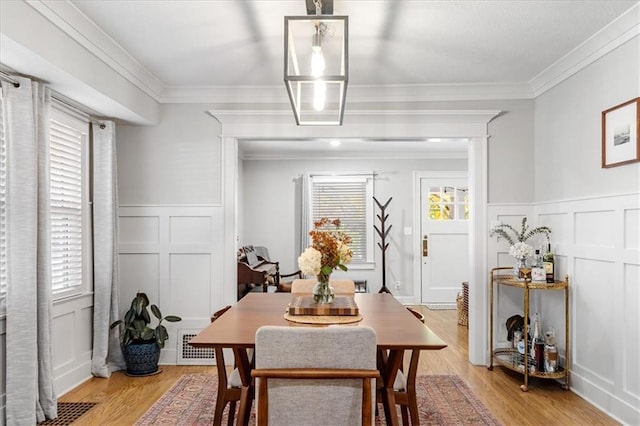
[(382, 233)]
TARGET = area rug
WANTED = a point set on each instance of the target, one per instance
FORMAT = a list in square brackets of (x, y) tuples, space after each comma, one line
[(442, 400)]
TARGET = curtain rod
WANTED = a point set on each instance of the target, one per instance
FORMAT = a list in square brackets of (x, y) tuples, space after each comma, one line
[(7, 77), (58, 97)]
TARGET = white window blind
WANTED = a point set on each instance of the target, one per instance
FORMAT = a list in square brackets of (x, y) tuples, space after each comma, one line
[(3, 211), (66, 206), (349, 199)]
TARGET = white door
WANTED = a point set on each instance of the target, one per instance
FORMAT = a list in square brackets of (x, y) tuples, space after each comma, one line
[(444, 217)]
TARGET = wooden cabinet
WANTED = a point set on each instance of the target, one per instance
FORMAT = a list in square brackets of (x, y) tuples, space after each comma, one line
[(509, 357)]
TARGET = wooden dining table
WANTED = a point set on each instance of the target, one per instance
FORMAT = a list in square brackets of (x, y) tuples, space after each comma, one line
[(396, 330)]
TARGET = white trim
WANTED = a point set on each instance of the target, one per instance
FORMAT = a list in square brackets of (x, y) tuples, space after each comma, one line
[(618, 32)]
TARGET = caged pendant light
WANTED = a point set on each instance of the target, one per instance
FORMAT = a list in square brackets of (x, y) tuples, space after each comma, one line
[(316, 66)]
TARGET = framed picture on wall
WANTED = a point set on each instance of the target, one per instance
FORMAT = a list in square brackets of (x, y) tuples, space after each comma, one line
[(620, 140)]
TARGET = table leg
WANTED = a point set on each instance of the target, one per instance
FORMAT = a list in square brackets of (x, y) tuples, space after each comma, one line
[(389, 366), (246, 394)]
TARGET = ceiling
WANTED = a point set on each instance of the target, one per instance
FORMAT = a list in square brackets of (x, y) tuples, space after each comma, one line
[(222, 43), (225, 50)]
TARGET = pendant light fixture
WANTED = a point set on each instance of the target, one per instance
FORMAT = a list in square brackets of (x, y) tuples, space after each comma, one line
[(316, 64)]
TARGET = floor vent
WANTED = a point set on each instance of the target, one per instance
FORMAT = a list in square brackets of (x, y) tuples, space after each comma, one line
[(69, 412), (190, 355)]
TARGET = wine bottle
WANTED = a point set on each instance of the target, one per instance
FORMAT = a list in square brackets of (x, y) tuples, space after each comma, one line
[(548, 265), (537, 345)]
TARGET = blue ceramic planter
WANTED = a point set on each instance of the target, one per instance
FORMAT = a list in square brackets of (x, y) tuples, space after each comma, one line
[(141, 358)]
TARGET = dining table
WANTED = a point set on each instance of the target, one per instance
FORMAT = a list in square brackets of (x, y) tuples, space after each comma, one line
[(396, 329)]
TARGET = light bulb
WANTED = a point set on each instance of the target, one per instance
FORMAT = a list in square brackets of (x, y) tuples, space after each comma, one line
[(319, 94), (317, 61)]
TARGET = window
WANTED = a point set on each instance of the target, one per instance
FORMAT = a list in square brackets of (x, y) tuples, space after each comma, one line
[(3, 213), (348, 197), (448, 203), (70, 236)]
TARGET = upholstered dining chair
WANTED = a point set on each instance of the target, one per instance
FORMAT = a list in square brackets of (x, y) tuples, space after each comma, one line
[(404, 387), (229, 387), (339, 286), (328, 379)]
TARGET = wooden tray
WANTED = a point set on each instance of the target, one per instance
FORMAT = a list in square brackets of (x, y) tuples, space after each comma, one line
[(341, 305)]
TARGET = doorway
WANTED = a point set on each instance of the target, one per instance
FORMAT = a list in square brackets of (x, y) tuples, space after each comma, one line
[(444, 230)]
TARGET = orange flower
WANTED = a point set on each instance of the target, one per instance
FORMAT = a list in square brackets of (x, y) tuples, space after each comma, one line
[(333, 245)]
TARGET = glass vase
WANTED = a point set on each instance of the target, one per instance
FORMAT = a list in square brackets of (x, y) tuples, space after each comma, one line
[(521, 263), (323, 292)]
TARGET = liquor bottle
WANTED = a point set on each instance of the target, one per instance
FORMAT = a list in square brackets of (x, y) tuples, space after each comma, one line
[(538, 272), (537, 345), (548, 265), (550, 353)]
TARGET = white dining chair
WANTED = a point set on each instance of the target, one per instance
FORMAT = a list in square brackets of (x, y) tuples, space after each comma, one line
[(327, 380)]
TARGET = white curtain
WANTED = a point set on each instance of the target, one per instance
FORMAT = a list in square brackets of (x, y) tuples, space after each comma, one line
[(29, 378), (302, 214), (107, 356)]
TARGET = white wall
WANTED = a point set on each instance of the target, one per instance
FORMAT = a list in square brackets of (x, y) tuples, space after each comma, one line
[(176, 162), (568, 129), (594, 215), (171, 217), (269, 208)]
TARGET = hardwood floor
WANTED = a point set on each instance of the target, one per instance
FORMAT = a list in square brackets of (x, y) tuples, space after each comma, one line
[(122, 400)]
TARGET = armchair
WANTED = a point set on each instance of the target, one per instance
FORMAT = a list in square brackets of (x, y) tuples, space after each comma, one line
[(255, 273)]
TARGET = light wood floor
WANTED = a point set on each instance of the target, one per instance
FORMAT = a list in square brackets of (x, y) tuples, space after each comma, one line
[(122, 400)]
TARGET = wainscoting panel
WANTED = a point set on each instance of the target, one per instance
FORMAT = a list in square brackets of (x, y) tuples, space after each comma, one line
[(174, 254), (632, 228), (596, 241), (72, 337), (631, 327), (593, 292), (191, 284), (138, 272), (595, 228), (139, 230)]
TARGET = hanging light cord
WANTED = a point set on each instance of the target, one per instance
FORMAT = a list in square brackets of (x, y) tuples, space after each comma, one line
[(318, 4)]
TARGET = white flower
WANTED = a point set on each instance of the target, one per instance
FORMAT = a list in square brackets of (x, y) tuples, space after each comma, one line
[(521, 250), (344, 252), (309, 261)]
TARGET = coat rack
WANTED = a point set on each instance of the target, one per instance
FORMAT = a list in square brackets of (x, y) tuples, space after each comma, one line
[(382, 233)]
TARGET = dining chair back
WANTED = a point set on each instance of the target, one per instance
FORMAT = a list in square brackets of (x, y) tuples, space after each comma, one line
[(229, 387), (339, 286), (328, 379)]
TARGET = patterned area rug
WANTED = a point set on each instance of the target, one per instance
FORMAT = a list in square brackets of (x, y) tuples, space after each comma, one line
[(442, 400)]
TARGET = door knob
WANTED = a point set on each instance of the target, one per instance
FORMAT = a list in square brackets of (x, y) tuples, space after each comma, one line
[(425, 246)]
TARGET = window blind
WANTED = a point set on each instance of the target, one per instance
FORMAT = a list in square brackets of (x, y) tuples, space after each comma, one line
[(346, 201), (66, 206), (3, 208)]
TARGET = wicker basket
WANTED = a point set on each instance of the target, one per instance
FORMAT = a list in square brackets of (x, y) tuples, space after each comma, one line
[(462, 302)]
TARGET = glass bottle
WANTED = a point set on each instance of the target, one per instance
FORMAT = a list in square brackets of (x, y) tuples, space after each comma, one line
[(537, 345), (548, 265), (550, 353), (538, 272)]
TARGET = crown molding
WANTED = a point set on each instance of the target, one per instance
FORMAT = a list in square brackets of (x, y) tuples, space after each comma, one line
[(260, 95), (69, 19), (618, 32), (80, 28)]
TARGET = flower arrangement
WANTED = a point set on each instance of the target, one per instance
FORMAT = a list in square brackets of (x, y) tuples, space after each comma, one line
[(329, 250), (510, 234), (521, 250)]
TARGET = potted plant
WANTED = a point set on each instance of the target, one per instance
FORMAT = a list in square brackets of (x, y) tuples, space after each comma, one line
[(140, 343)]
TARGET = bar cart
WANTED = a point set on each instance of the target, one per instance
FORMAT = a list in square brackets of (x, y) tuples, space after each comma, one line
[(509, 357)]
